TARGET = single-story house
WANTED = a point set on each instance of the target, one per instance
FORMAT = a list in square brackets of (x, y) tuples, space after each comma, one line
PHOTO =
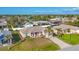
[(74, 18), (5, 36), (67, 19), (64, 28), (56, 22), (3, 23), (35, 31), (27, 25), (58, 18), (41, 23)]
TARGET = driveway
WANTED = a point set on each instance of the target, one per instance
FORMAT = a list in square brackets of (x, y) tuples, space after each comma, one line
[(59, 42), (73, 48)]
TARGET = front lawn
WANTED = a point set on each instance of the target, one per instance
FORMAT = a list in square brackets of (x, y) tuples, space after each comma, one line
[(70, 38), (4, 48), (36, 44)]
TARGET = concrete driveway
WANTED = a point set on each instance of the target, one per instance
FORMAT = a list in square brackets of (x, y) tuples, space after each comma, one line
[(59, 42), (73, 48)]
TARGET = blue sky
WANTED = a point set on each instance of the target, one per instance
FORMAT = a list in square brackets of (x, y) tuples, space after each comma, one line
[(38, 10)]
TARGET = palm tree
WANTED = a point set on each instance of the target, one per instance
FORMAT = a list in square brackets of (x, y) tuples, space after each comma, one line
[(8, 38), (59, 32), (48, 31), (52, 32), (68, 30)]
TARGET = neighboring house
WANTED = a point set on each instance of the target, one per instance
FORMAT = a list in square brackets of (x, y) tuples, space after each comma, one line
[(67, 19), (3, 23), (58, 18), (5, 36), (64, 28), (55, 22), (35, 31), (41, 23), (27, 25), (74, 18)]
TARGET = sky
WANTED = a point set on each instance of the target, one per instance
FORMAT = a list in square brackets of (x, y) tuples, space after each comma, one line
[(38, 10)]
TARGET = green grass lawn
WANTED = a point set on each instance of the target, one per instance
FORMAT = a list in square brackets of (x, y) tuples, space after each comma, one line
[(71, 39), (4, 48), (36, 44)]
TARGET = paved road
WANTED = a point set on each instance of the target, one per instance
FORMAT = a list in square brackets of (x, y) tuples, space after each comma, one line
[(59, 42)]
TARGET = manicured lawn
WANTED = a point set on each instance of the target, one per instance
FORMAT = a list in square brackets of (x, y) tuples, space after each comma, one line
[(36, 44), (71, 39)]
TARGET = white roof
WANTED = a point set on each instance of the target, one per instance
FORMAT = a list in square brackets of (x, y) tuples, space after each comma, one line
[(40, 22), (6, 29), (27, 24)]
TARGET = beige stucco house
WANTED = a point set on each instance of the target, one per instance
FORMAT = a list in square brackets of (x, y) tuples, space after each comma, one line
[(35, 31), (64, 28)]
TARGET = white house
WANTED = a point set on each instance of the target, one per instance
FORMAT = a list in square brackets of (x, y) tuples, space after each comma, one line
[(27, 25)]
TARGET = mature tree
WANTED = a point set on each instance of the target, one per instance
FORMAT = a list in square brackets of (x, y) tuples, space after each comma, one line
[(68, 30), (59, 32), (49, 30)]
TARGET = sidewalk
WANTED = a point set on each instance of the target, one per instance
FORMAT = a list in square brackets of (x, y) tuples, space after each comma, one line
[(59, 42)]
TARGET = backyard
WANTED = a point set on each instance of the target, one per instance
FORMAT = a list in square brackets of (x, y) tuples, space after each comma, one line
[(70, 38), (36, 44)]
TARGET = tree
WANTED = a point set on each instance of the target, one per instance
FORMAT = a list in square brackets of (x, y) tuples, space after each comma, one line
[(68, 30), (59, 32), (49, 30), (52, 32), (8, 38)]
